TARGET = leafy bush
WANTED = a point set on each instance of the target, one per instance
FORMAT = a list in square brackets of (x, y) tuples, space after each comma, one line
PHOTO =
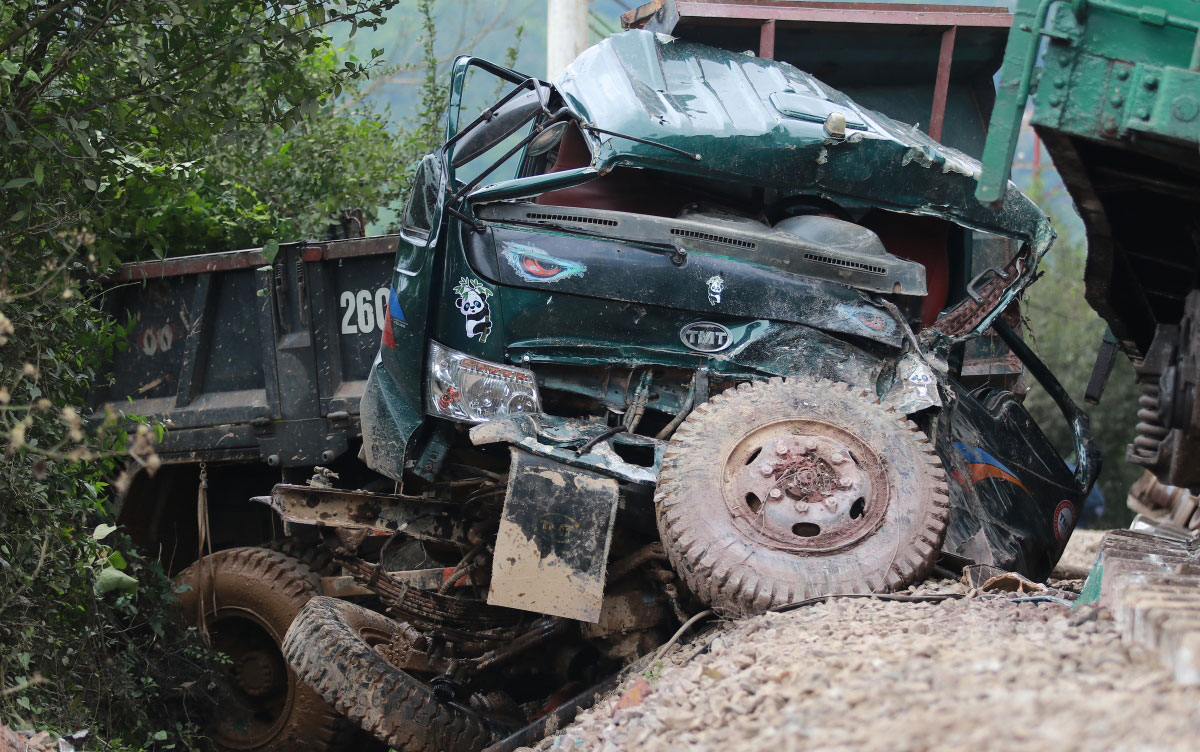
[(263, 185), (84, 638), (131, 127)]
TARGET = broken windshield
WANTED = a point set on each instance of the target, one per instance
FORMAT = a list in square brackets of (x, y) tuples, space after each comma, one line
[(503, 112)]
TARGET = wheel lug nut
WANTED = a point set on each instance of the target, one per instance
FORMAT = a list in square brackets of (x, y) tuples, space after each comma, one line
[(781, 448), (766, 469), (775, 493), (845, 482), (810, 445), (838, 459)]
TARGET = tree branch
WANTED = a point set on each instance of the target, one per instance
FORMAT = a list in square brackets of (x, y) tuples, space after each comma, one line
[(65, 57), (45, 16), (177, 74)]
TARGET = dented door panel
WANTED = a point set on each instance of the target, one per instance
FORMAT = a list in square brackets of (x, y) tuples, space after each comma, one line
[(1014, 502)]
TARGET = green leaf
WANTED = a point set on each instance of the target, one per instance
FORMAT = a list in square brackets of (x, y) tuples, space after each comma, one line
[(38, 173), (10, 67), (103, 530), (160, 736), (116, 560), (16, 183), (271, 249), (86, 144), (110, 578), (13, 130), (90, 184)]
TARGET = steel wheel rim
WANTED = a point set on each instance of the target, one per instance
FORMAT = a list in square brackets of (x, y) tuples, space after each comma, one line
[(242, 725), (804, 486)]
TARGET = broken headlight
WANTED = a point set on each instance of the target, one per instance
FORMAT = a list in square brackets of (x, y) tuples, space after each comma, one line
[(464, 388)]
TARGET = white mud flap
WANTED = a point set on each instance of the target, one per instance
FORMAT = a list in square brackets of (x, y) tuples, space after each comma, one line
[(554, 536)]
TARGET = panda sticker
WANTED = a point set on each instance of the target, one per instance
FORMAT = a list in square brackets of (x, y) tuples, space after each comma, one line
[(716, 287), (473, 304)]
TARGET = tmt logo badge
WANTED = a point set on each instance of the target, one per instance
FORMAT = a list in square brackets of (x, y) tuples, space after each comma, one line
[(706, 336)]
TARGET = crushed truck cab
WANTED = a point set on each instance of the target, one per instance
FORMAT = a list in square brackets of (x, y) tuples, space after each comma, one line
[(590, 266), (685, 329)]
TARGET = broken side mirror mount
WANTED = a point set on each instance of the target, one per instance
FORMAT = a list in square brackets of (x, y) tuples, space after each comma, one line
[(498, 123)]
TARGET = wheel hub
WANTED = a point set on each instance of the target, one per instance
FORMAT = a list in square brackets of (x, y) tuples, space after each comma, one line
[(260, 674), (805, 486)]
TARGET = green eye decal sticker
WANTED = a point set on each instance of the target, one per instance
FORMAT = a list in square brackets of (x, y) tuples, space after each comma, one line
[(535, 265)]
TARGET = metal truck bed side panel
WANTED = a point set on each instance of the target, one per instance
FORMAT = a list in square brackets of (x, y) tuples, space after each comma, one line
[(245, 359)]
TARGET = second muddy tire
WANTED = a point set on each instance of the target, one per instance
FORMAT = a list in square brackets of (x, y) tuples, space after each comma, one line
[(789, 489), (331, 646), (310, 555), (249, 597)]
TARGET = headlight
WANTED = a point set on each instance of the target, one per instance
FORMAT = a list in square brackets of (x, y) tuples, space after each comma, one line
[(467, 389)]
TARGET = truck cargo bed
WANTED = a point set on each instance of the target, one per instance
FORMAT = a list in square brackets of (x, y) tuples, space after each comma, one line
[(243, 358)]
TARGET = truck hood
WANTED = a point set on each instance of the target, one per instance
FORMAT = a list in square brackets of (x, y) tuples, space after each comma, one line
[(748, 119)]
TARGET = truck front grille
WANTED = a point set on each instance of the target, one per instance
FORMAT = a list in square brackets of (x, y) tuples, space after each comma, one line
[(845, 263), (682, 233), (574, 218)]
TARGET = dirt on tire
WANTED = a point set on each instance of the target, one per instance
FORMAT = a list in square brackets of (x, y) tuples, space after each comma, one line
[(331, 646), (788, 489), (249, 597), (312, 556)]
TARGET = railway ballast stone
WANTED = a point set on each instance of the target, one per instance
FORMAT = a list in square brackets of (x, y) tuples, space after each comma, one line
[(981, 673)]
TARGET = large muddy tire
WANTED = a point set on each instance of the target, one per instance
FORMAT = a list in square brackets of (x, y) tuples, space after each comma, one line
[(334, 646), (310, 555), (249, 602), (789, 489)]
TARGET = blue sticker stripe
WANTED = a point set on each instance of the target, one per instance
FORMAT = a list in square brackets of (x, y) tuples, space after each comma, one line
[(394, 308), (976, 455)]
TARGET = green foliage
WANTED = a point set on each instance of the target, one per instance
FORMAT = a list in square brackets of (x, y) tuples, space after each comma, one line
[(433, 94), (105, 97), (1066, 332), (257, 185), (84, 639), (270, 184), (130, 127), (424, 130)]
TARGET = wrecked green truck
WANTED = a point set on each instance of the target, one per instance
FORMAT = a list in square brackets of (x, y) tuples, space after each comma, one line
[(655, 326), (682, 330)]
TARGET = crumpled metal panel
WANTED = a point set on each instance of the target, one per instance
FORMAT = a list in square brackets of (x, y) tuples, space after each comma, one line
[(559, 439), (719, 105), (378, 514)]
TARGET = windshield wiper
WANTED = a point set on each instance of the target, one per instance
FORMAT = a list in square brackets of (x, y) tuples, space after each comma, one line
[(596, 129)]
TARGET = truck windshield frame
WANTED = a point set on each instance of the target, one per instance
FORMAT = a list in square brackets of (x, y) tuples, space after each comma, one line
[(458, 78)]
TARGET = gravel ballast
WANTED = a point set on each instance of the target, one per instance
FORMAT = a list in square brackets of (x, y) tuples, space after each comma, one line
[(981, 673)]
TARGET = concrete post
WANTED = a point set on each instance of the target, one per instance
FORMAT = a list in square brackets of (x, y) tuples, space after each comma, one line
[(566, 33)]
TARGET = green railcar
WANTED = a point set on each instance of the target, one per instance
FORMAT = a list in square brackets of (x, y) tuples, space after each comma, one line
[(1115, 92)]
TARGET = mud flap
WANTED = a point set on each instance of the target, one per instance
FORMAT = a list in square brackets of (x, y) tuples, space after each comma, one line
[(554, 536)]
